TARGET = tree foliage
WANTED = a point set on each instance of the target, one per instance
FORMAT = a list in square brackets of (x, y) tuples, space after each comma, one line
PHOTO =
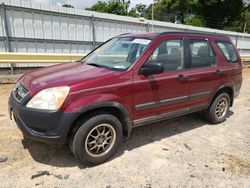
[(68, 6), (195, 21), (173, 10), (140, 9), (219, 14), (118, 7)]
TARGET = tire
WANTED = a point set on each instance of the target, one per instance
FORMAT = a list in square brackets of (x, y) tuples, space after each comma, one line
[(218, 110), (97, 139)]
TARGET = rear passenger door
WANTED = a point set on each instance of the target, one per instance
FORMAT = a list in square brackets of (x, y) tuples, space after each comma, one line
[(203, 72)]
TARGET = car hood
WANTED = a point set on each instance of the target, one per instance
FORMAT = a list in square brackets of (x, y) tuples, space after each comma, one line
[(61, 75)]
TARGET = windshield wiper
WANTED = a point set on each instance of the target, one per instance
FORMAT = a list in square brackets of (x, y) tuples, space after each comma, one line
[(98, 65), (94, 64)]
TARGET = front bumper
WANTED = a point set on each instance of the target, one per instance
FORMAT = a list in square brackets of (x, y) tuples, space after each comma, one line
[(41, 125)]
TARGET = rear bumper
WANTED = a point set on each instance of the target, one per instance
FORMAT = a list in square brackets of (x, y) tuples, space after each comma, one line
[(41, 125)]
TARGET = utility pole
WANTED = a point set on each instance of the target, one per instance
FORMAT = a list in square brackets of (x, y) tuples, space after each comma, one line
[(245, 26), (7, 35), (244, 31), (153, 16)]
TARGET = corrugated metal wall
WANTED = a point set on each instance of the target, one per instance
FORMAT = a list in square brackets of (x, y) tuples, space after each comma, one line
[(42, 28)]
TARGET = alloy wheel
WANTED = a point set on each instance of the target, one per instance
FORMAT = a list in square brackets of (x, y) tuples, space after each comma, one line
[(100, 140), (221, 108)]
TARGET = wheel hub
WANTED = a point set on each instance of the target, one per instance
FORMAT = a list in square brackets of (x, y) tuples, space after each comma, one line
[(101, 139)]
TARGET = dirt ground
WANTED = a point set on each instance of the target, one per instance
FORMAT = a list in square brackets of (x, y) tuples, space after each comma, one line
[(183, 152)]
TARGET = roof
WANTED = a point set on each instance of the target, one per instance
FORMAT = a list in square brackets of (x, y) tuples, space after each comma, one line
[(140, 35), (153, 35)]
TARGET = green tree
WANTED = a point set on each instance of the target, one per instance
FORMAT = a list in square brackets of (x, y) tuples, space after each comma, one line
[(68, 6), (133, 12), (141, 9), (99, 7), (220, 14), (195, 21), (148, 12), (247, 18), (118, 7), (172, 10)]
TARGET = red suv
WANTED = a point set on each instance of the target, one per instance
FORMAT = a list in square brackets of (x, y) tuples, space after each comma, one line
[(130, 80)]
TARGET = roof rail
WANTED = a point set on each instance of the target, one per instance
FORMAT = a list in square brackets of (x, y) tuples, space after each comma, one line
[(124, 34), (193, 33)]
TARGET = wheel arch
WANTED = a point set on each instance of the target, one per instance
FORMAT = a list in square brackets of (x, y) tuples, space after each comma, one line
[(113, 108), (227, 88)]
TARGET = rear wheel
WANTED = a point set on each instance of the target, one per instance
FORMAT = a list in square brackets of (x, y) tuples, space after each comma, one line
[(97, 139), (218, 110)]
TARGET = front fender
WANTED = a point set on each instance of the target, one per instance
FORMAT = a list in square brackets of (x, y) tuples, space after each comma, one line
[(98, 101), (76, 103)]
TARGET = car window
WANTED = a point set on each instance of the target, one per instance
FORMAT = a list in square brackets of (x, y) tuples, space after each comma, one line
[(170, 54), (117, 53), (202, 54), (228, 51)]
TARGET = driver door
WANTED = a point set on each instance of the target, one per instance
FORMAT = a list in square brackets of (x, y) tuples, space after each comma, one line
[(166, 93)]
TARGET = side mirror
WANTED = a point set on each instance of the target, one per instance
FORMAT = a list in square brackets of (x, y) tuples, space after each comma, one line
[(151, 68)]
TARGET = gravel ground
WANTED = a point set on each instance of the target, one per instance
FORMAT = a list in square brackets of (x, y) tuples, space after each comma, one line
[(182, 152)]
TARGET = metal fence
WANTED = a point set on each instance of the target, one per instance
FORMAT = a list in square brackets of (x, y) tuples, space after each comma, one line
[(31, 27)]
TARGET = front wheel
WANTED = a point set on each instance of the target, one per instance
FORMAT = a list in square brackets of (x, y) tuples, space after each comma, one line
[(218, 110), (97, 139)]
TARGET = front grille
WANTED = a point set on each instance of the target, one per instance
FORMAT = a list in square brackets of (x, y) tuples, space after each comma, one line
[(19, 92)]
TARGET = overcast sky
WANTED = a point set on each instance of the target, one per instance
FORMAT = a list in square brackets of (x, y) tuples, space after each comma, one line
[(86, 3)]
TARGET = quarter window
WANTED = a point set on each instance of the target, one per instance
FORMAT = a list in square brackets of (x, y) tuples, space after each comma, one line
[(202, 54), (228, 51), (170, 54)]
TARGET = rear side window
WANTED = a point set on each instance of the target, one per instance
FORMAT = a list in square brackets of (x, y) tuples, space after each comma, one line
[(202, 54), (228, 51)]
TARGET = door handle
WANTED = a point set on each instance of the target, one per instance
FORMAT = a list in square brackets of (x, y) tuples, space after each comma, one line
[(219, 72), (182, 77)]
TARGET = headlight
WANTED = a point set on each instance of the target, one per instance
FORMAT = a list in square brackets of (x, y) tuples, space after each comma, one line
[(49, 99)]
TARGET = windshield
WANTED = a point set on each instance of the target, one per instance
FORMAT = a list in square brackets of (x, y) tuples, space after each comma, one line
[(118, 53)]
